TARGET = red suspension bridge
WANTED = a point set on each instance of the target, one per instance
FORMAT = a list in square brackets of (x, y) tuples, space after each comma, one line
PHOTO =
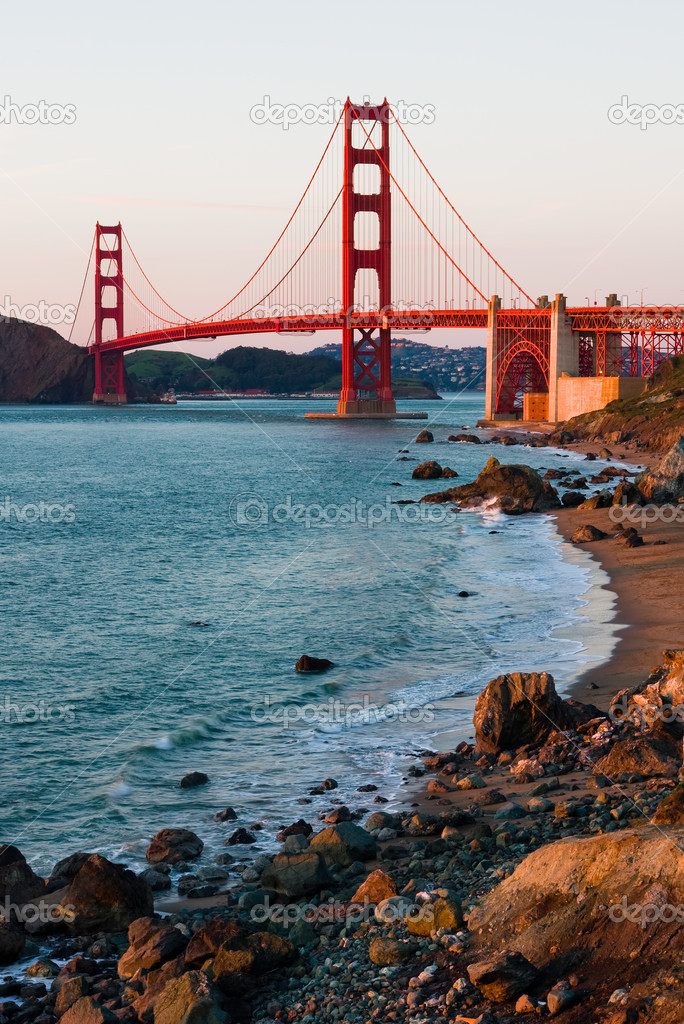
[(374, 246)]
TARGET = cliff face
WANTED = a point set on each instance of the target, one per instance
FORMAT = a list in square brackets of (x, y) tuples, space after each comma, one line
[(38, 365)]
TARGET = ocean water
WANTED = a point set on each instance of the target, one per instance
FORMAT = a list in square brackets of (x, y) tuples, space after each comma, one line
[(184, 557)]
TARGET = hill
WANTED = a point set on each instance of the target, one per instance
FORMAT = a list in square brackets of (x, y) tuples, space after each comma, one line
[(247, 368), (653, 420), (38, 365)]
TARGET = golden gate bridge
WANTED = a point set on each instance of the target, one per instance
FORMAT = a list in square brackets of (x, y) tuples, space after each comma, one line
[(374, 245)]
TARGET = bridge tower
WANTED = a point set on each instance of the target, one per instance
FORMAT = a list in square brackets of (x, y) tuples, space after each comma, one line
[(366, 367), (109, 365)]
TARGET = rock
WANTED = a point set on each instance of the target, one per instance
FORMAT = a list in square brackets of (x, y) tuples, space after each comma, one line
[(18, 883), (425, 437), (510, 812), (448, 473), (156, 880), (517, 488), (381, 819), (193, 779), (241, 837), (603, 499), (87, 1011), (559, 999), (466, 438), (173, 845), (628, 493), (377, 887), (393, 909), (503, 976), (152, 943), (297, 828), (343, 844), (665, 483), (572, 499), (597, 895), (104, 897), (228, 814), (645, 755), (309, 664), (337, 815), (517, 710), (298, 874), (386, 952), (442, 912), (36, 364), (66, 870), (43, 968), (258, 954), (208, 939), (427, 471), (69, 992), (12, 942), (670, 810), (588, 534), (189, 999), (634, 541)]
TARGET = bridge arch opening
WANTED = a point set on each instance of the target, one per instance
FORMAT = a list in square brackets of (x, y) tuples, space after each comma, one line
[(522, 372)]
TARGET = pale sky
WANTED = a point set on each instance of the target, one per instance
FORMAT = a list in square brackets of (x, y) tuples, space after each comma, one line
[(162, 138)]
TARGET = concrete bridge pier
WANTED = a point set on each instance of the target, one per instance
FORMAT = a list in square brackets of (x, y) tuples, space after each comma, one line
[(563, 352)]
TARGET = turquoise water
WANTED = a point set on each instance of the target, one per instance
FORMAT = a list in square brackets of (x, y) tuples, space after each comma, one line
[(168, 516)]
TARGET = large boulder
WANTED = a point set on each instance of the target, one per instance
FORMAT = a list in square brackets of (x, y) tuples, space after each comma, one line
[(104, 897), (343, 844), (376, 888), (598, 898), (173, 845), (189, 999), (296, 874), (646, 755), (152, 943), (427, 471), (665, 483), (519, 710), (239, 960), (503, 976), (516, 489), (12, 942), (208, 939), (87, 1011)]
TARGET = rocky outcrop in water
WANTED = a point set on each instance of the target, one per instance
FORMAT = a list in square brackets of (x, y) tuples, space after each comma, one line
[(514, 488)]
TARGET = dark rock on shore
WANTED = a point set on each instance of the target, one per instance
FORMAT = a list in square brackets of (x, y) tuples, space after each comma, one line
[(308, 664), (297, 874), (665, 483), (517, 488), (104, 896), (424, 437), (517, 710), (18, 883), (427, 471), (588, 534)]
